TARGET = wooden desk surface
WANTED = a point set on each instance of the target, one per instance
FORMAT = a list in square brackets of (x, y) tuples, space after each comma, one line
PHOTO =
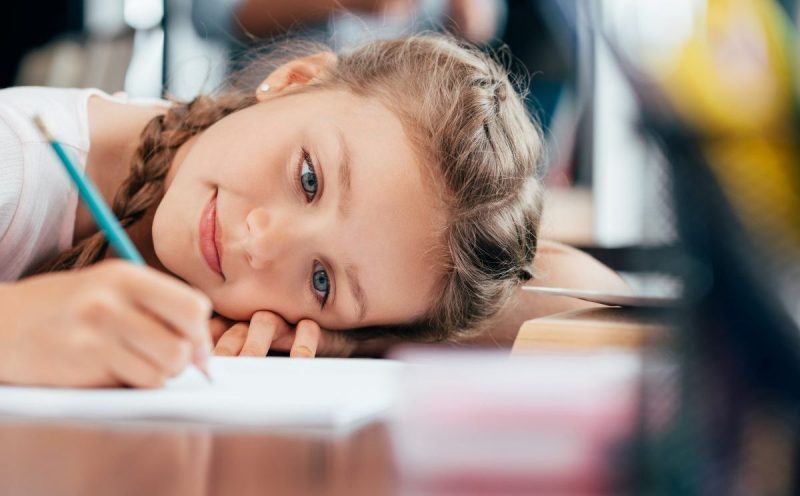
[(600, 327), (79, 458)]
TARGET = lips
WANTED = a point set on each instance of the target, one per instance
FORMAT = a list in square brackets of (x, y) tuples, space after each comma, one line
[(210, 235)]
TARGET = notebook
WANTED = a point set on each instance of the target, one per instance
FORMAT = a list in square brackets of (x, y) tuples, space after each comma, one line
[(274, 391)]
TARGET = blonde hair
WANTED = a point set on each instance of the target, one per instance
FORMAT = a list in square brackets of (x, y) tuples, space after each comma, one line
[(469, 126)]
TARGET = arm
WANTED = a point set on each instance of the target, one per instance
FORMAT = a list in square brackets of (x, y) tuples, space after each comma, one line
[(556, 265)]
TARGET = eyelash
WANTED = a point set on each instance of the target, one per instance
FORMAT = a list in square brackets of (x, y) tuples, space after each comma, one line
[(322, 297), (305, 159)]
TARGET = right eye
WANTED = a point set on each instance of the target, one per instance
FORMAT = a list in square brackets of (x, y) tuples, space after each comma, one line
[(308, 177), (320, 283)]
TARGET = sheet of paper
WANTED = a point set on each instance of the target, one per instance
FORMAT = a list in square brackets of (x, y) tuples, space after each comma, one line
[(272, 391), (614, 299)]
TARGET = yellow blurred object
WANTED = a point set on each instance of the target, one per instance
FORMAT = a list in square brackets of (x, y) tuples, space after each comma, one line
[(759, 177), (733, 81), (733, 76)]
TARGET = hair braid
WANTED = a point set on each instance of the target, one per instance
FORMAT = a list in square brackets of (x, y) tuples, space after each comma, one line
[(467, 120), (144, 186), (467, 117)]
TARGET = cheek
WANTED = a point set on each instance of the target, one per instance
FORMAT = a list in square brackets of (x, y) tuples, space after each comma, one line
[(165, 243), (234, 304), (241, 299), (173, 232)]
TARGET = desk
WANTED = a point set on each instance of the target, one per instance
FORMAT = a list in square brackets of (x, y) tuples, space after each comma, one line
[(79, 458), (600, 327)]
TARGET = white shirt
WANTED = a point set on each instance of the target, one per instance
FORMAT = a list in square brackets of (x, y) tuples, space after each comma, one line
[(37, 199)]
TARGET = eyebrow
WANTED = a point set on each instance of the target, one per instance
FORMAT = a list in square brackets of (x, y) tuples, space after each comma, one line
[(358, 292), (344, 173), (344, 204)]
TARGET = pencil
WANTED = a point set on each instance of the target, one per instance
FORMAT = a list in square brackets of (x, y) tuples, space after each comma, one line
[(103, 215)]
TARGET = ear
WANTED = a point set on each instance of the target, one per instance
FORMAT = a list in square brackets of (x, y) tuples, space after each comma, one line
[(298, 72)]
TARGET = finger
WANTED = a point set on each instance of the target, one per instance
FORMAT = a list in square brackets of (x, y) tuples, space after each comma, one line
[(142, 334), (217, 326), (132, 369), (263, 326), (231, 342), (184, 308), (330, 343), (283, 339), (306, 339)]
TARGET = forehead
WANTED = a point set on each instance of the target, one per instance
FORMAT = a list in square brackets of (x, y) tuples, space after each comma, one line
[(392, 228)]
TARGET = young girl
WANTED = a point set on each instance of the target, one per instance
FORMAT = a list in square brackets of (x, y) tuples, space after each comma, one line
[(386, 193)]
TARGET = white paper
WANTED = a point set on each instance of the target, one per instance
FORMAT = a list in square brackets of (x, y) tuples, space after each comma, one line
[(604, 298), (273, 391)]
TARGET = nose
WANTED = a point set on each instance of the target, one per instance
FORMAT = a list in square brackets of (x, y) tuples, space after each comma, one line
[(267, 237)]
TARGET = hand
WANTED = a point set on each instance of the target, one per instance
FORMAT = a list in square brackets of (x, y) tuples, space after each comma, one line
[(112, 324), (267, 330)]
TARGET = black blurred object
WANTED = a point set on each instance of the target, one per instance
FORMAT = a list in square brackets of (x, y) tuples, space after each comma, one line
[(725, 416), (28, 24), (736, 427), (739, 347), (544, 53)]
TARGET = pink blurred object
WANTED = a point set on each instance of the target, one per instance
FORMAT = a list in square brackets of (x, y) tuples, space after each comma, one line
[(481, 422)]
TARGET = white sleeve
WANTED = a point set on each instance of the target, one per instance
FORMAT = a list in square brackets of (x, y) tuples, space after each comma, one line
[(37, 199), (11, 175)]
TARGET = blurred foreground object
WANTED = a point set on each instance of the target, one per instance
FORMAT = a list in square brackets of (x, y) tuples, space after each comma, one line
[(547, 423), (722, 108)]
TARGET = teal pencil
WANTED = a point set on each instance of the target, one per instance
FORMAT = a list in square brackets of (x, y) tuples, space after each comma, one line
[(108, 223), (114, 232)]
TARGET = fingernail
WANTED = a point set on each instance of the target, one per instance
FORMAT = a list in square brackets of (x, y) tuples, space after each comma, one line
[(200, 355), (207, 303), (204, 331), (200, 360), (301, 352)]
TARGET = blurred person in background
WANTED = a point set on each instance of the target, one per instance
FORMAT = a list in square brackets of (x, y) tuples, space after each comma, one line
[(477, 21)]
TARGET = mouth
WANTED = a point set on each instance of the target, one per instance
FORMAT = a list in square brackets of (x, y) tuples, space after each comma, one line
[(210, 234)]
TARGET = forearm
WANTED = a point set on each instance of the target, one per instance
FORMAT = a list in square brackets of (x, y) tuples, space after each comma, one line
[(556, 265), (6, 331)]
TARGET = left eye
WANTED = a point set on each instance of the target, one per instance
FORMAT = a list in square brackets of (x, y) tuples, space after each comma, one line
[(320, 282), (308, 178)]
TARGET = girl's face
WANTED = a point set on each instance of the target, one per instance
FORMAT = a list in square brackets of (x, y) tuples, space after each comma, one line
[(319, 208)]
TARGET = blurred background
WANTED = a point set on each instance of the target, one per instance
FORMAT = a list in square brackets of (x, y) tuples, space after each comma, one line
[(673, 157), (607, 191)]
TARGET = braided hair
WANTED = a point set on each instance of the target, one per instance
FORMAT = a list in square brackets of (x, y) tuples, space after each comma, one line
[(144, 187), (465, 118)]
